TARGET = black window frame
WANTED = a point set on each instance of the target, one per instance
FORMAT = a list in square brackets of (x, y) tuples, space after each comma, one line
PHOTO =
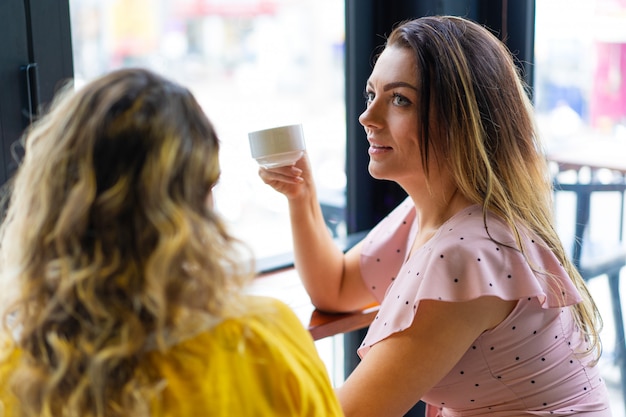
[(36, 62)]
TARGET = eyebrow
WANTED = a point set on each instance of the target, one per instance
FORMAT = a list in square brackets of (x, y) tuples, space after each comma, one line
[(396, 84)]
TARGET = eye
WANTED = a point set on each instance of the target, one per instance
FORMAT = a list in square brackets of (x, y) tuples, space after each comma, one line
[(400, 100), (369, 97)]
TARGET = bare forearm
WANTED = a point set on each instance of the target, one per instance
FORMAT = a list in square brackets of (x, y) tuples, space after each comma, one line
[(317, 258), (332, 278)]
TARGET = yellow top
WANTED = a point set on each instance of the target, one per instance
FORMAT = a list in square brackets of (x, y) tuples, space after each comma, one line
[(263, 363)]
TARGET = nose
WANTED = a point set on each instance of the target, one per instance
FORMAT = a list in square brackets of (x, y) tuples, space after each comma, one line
[(363, 118), (367, 118)]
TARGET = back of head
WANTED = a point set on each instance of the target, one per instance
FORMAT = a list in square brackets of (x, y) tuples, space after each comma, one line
[(111, 236)]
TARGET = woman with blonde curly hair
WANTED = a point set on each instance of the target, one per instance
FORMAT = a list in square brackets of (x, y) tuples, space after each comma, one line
[(481, 311), (129, 287)]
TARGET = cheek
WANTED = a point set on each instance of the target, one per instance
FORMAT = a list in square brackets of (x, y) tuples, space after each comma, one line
[(407, 138)]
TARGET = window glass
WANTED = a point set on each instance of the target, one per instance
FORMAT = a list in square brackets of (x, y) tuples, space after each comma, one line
[(252, 64), (580, 99), (580, 71), (580, 94)]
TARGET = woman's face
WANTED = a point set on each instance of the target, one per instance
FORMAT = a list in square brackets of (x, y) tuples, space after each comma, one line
[(391, 118)]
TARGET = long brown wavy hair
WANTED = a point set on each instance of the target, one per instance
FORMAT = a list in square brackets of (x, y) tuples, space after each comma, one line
[(476, 120), (112, 239)]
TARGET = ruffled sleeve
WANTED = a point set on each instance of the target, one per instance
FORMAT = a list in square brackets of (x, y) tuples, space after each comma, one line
[(385, 248), (466, 260)]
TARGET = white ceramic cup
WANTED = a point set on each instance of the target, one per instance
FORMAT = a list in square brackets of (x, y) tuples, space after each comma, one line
[(277, 146)]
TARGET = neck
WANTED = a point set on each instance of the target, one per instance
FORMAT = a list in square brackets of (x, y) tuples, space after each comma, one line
[(433, 212)]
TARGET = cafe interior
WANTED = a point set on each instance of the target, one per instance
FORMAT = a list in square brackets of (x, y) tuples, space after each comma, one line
[(258, 63)]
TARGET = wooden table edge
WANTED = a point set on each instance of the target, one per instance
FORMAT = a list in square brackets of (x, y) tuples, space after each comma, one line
[(324, 324)]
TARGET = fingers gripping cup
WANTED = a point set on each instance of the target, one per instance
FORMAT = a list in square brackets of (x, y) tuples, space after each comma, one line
[(277, 146)]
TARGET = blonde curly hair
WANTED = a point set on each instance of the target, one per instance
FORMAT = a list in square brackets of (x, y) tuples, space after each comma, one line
[(112, 240)]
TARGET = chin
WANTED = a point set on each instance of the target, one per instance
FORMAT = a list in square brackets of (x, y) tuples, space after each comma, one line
[(377, 173)]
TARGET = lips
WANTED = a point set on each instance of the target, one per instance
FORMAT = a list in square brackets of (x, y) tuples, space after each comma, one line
[(379, 146), (377, 149), (375, 145)]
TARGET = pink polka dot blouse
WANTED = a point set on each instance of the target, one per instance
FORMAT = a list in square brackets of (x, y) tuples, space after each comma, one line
[(530, 364)]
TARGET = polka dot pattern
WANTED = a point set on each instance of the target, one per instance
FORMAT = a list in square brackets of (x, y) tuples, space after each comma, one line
[(527, 362)]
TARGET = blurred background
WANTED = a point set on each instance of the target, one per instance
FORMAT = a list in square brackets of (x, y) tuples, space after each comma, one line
[(252, 65)]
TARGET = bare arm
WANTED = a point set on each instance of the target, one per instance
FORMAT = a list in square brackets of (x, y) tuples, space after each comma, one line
[(399, 370), (332, 278)]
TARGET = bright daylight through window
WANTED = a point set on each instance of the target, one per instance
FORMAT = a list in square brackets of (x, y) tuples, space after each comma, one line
[(580, 97), (252, 64)]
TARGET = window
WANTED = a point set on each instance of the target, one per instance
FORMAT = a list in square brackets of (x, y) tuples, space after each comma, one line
[(580, 90), (580, 98), (580, 75), (252, 64)]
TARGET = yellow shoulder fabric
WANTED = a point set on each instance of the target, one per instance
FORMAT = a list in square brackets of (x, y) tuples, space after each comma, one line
[(263, 363), (8, 359), (260, 364)]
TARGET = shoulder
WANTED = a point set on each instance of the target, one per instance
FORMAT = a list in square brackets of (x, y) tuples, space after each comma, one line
[(271, 313), (265, 351), (472, 224), (478, 255), (264, 326), (9, 357), (470, 238), (395, 225), (260, 305), (385, 247)]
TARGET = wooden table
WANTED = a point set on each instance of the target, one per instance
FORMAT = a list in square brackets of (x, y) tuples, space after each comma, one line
[(285, 285)]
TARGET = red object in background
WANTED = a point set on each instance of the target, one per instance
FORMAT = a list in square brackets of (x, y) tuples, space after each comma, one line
[(223, 8), (608, 96)]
